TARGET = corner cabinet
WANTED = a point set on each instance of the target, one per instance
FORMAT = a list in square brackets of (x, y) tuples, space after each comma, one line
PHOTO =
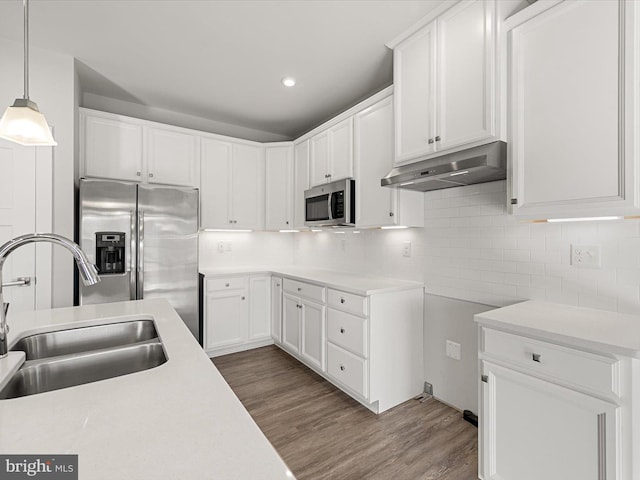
[(116, 147), (237, 313), (279, 187), (232, 185), (551, 411), (445, 77), (373, 159), (573, 130)]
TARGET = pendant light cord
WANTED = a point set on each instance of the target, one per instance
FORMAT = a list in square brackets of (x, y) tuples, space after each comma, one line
[(25, 4)]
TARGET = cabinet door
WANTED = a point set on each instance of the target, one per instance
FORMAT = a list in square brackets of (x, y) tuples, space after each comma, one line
[(247, 187), (466, 81), (227, 318), (112, 149), (291, 323), (313, 342), (319, 161), (279, 188), (300, 182), (568, 115), (341, 156), (171, 157), (373, 160), (414, 80), (259, 307), (276, 309), (214, 183), (532, 429)]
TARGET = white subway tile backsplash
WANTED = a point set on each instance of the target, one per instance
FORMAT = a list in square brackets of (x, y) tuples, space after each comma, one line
[(472, 249)]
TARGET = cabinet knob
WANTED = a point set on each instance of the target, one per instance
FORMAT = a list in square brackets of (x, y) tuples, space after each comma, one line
[(287, 222), (430, 141), (299, 289), (299, 306), (342, 330), (226, 284), (138, 174), (535, 357), (242, 298), (230, 221), (277, 284), (151, 175), (437, 138), (342, 300), (342, 367), (391, 214)]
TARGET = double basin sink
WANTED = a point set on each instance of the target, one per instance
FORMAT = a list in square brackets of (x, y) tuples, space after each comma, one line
[(77, 356)]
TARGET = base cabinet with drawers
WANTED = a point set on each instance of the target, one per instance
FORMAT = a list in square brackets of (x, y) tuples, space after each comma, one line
[(237, 313), (550, 411), (369, 346)]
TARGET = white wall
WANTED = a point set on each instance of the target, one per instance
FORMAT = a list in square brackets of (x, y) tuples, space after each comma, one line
[(51, 86), (246, 249), (146, 112)]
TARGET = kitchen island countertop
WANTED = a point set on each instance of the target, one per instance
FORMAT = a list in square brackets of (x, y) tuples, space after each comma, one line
[(180, 420)]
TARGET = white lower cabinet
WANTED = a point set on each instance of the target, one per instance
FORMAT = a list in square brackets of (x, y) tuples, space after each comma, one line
[(549, 411), (237, 313), (369, 346)]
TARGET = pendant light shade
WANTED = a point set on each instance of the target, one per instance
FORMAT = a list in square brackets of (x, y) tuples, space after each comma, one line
[(22, 122)]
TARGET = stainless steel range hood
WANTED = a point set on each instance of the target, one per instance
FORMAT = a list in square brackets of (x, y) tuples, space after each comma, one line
[(474, 165)]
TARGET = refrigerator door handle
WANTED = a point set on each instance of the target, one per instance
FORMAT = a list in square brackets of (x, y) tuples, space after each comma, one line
[(132, 252), (140, 254)]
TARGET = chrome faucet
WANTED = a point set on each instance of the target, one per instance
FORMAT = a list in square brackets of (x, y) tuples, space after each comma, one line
[(87, 270)]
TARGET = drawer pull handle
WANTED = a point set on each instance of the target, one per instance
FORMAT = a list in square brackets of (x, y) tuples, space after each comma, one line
[(535, 357), (342, 367), (342, 300), (342, 330), (602, 446)]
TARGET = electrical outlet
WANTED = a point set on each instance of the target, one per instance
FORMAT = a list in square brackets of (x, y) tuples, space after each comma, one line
[(221, 247), (406, 249), (585, 256), (453, 350)]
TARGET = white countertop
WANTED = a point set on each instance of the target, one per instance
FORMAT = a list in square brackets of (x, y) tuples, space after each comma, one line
[(179, 420), (345, 281), (602, 330)]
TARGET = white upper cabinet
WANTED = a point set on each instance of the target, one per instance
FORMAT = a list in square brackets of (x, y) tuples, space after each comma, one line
[(573, 108), (300, 182), (279, 187), (172, 157), (232, 185), (123, 148), (445, 82), (373, 159), (331, 155), (111, 147)]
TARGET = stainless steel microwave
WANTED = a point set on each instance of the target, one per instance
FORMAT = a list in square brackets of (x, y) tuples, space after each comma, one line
[(331, 205)]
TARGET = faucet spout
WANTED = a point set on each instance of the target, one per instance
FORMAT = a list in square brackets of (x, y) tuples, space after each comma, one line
[(87, 270)]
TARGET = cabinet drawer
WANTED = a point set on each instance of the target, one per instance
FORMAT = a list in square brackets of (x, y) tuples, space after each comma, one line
[(348, 331), (308, 290), (217, 284), (575, 367), (348, 302), (348, 369)]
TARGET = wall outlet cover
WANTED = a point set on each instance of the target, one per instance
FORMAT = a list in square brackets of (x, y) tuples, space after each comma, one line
[(406, 249), (453, 350), (585, 256)]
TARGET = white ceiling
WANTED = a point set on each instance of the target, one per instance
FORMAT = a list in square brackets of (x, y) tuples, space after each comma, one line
[(224, 60)]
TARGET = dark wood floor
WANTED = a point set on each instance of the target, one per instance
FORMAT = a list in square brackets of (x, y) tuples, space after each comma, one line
[(321, 433)]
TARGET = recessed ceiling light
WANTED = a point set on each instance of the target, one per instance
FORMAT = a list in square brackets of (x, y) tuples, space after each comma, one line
[(288, 81)]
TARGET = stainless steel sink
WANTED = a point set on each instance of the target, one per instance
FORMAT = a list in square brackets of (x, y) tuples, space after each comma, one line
[(44, 375), (83, 339)]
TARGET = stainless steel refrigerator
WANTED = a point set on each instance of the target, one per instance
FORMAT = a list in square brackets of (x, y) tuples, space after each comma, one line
[(144, 242)]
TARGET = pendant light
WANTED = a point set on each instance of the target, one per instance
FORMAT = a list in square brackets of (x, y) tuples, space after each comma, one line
[(22, 122)]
